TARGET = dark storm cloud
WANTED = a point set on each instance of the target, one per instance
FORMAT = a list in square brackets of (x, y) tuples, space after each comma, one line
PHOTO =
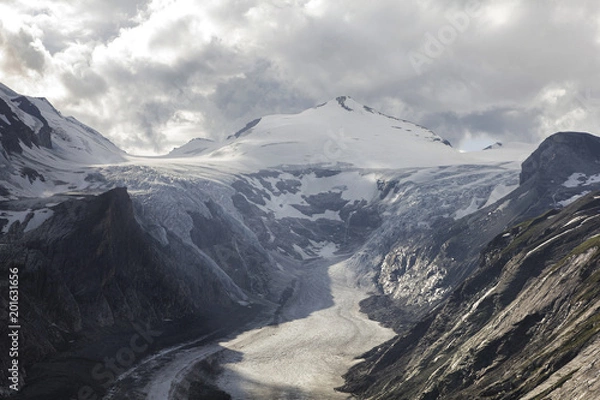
[(152, 74), (508, 124), (152, 116), (256, 93)]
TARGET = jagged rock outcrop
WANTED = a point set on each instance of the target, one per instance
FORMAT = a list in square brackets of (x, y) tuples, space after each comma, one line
[(13, 132)]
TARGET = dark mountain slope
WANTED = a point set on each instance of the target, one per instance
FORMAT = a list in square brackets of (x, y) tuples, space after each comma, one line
[(521, 324), (563, 168), (562, 154), (90, 271)]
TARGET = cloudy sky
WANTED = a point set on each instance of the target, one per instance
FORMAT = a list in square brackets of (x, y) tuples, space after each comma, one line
[(152, 74)]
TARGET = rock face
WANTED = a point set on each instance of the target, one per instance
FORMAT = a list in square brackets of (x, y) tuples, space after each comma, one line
[(323, 217), (90, 268), (427, 251), (565, 166), (14, 132), (422, 266), (561, 155), (44, 132), (553, 177), (524, 325)]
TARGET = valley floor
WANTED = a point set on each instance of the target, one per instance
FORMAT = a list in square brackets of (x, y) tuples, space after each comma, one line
[(305, 357), (302, 354)]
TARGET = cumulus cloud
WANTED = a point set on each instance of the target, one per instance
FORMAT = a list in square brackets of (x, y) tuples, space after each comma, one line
[(152, 74), (23, 54), (505, 123), (255, 93)]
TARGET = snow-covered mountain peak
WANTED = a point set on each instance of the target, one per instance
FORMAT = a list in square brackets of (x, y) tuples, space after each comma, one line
[(340, 131), (346, 103), (33, 125), (194, 147), (42, 152), (493, 146)]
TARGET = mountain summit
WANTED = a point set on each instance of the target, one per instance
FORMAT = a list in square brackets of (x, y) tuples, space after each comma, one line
[(340, 131)]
